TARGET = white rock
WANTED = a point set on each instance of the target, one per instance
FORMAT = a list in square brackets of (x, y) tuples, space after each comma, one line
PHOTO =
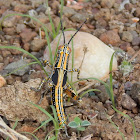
[(97, 58)]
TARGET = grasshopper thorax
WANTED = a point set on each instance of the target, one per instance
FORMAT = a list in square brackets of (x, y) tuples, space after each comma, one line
[(63, 57)]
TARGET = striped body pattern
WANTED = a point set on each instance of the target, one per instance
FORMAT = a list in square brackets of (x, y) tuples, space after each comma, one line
[(59, 79)]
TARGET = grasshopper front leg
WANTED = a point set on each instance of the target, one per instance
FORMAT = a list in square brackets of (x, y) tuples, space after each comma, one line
[(44, 63), (75, 70)]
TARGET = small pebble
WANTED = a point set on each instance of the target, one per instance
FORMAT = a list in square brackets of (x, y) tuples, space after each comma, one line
[(129, 130), (22, 8), (130, 51), (128, 102), (10, 80), (136, 41), (127, 36), (38, 44), (135, 92), (20, 28), (2, 81), (41, 8), (6, 53), (1, 59), (9, 22), (68, 12), (78, 18), (136, 48), (26, 46), (14, 51), (101, 23), (124, 46), (27, 35), (36, 3), (1, 66), (135, 19), (135, 110), (110, 37), (107, 3), (103, 95), (110, 112), (98, 32), (9, 31), (128, 85), (137, 12), (115, 24), (103, 13)]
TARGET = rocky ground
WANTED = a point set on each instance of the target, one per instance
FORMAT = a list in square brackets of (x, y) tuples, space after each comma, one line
[(115, 22)]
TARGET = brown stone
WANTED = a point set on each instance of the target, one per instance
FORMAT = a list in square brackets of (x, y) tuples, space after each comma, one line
[(2, 81), (27, 35), (9, 31), (5, 53), (127, 36), (37, 44), (128, 102), (107, 3), (137, 12), (130, 51), (136, 41), (26, 46), (124, 46), (110, 37), (21, 8)]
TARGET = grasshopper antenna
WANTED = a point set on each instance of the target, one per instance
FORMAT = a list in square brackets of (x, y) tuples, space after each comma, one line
[(62, 26), (77, 31)]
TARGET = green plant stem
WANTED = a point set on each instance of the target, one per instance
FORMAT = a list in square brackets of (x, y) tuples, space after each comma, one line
[(78, 133), (117, 128), (125, 115), (57, 46), (111, 79), (53, 28), (47, 121), (49, 133), (55, 123)]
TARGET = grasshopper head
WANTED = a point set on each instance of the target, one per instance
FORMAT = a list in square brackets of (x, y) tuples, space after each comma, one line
[(64, 49)]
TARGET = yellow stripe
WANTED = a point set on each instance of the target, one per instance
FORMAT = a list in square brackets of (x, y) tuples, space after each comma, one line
[(65, 63), (60, 60)]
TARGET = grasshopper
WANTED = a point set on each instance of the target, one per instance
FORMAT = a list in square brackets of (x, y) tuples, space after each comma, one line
[(57, 81)]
